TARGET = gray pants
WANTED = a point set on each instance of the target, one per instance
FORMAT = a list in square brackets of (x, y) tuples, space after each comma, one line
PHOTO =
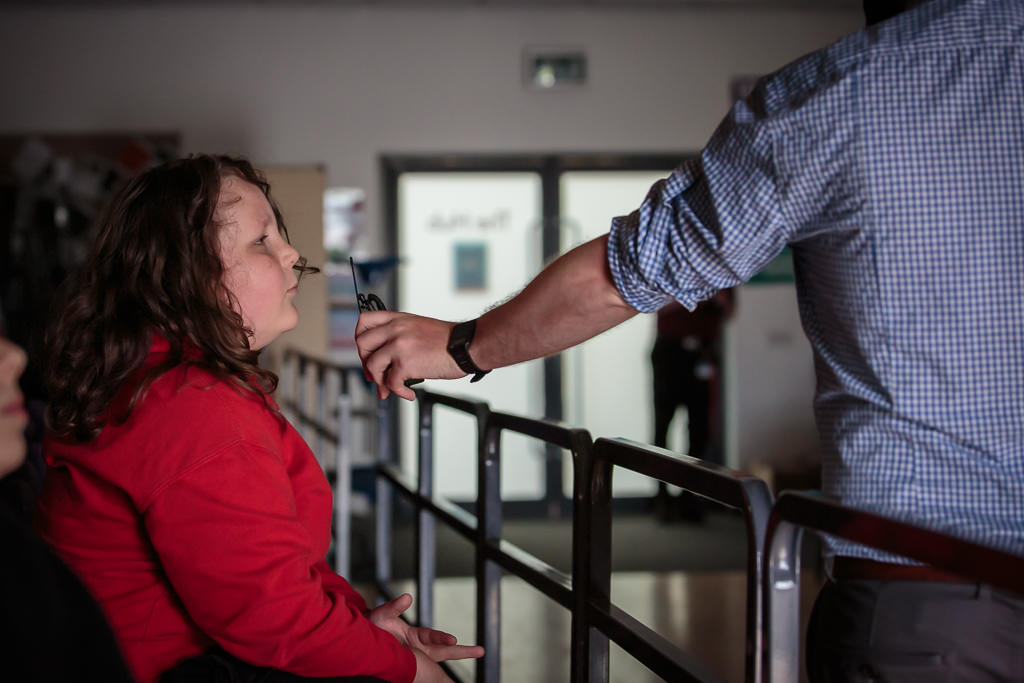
[(915, 631)]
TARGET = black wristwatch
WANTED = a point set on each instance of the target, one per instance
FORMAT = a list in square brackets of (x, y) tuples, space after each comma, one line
[(458, 346)]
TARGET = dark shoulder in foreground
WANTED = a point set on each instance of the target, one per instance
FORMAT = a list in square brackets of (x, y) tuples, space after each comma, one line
[(51, 628)]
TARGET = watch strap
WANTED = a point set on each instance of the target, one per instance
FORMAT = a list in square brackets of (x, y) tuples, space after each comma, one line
[(459, 340)]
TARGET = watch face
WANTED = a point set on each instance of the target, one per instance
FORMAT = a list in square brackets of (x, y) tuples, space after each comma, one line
[(462, 334), (458, 345)]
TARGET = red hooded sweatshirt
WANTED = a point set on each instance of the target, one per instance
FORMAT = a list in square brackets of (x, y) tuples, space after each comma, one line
[(204, 519)]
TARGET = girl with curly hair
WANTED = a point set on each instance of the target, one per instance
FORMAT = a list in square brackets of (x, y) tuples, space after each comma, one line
[(175, 488)]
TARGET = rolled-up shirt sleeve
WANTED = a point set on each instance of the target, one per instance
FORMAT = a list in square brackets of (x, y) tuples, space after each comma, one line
[(712, 224)]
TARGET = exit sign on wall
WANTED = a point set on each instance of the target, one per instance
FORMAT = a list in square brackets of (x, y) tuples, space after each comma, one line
[(554, 68)]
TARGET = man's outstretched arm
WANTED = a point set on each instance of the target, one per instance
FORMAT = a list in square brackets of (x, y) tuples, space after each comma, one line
[(571, 301)]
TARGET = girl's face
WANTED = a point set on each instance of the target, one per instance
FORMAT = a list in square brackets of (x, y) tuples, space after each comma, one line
[(257, 261), (13, 417)]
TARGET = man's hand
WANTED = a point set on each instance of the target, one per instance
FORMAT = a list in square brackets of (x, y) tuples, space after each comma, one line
[(395, 347), (429, 645), (572, 300)]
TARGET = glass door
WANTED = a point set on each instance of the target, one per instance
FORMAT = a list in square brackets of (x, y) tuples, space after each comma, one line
[(466, 241), (472, 231), (607, 380)]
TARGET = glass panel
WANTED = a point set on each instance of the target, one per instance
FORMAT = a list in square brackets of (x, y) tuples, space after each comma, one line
[(607, 380), (467, 241)]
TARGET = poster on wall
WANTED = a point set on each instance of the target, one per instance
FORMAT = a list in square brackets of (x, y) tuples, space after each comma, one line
[(470, 260)]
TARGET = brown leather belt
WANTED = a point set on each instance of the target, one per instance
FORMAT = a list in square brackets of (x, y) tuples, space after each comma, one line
[(870, 570)]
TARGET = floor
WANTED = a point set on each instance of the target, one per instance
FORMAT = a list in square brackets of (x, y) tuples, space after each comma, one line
[(701, 612), (684, 580)]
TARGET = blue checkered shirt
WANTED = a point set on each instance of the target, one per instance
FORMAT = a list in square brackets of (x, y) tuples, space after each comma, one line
[(892, 162)]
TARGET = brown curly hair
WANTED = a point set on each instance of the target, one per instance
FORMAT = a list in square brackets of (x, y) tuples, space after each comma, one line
[(154, 269)]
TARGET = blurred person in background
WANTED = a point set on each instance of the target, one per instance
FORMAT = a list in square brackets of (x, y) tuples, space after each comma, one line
[(686, 370)]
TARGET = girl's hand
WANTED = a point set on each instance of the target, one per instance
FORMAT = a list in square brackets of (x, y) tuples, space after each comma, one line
[(437, 646), (427, 670)]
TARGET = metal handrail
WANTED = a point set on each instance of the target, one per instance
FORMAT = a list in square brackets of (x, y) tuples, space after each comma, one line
[(484, 529), (796, 511), (586, 592), (747, 494), (544, 577), (298, 369), (555, 584)]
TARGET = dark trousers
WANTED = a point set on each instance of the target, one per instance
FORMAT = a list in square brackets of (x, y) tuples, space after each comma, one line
[(676, 383), (915, 631), (217, 666)]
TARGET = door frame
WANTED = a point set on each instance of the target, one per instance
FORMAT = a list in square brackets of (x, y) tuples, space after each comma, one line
[(550, 168)]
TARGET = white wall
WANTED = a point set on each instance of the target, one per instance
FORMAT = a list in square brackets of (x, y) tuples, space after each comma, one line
[(769, 383), (340, 85)]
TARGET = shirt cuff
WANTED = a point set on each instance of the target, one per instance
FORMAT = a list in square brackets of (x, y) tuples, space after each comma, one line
[(625, 269)]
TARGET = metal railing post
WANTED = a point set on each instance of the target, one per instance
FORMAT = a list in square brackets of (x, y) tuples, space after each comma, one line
[(579, 644), (759, 501), (426, 547), (384, 500), (782, 606), (595, 480), (739, 491), (286, 387), (301, 396), (343, 479), (321, 411), (585, 660), (488, 530)]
